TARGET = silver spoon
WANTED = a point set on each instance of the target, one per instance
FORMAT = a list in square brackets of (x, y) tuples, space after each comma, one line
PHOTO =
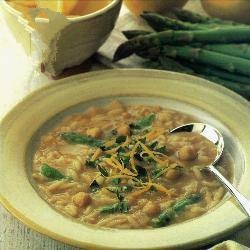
[(215, 137)]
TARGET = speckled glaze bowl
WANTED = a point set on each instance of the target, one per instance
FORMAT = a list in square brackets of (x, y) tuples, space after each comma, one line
[(21, 128)]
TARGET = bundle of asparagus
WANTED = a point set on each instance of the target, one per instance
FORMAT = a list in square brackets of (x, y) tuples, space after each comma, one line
[(211, 48)]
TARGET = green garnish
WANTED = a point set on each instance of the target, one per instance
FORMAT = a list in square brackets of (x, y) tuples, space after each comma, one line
[(94, 186), (120, 139), (90, 164), (114, 132), (149, 160), (116, 181), (51, 172), (107, 156), (156, 173), (103, 148), (138, 157), (144, 122), (124, 159), (120, 207), (153, 144), (162, 150), (120, 189), (143, 140), (142, 174), (72, 137), (122, 150), (103, 171), (165, 217)]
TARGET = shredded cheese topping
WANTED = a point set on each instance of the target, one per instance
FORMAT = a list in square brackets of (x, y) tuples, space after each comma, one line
[(123, 165)]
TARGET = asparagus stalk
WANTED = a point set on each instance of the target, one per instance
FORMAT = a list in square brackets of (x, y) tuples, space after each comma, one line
[(129, 34), (51, 172), (220, 35), (161, 23), (189, 16), (226, 62), (239, 50), (72, 137), (241, 89), (165, 217), (166, 63), (232, 83), (212, 71), (193, 17)]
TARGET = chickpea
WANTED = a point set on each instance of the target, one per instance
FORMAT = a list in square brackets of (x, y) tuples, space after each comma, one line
[(100, 180), (173, 174), (126, 115), (71, 210), (115, 105), (187, 153), (92, 111), (123, 130), (81, 199), (94, 132), (151, 208)]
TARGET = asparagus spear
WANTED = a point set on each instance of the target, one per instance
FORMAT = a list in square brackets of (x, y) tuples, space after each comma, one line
[(51, 173), (164, 218), (239, 50), (220, 35), (241, 89), (193, 17), (129, 34), (166, 63), (163, 63), (144, 122), (161, 23), (76, 138), (226, 62), (209, 73), (119, 207), (212, 71), (186, 15)]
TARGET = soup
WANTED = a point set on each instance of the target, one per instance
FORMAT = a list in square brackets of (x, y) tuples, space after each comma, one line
[(119, 167)]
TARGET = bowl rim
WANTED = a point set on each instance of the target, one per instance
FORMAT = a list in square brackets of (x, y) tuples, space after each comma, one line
[(89, 16), (88, 76)]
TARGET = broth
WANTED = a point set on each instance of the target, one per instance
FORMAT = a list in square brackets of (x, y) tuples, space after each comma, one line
[(117, 166)]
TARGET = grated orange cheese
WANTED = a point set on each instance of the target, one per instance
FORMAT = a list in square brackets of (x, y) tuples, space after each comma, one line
[(116, 164), (126, 143), (112, 151), (109, 143), (151, 154), (96, 154), (161, 188), (110, 162), (138, 193), (131, 155), (120, 176), (154, 133)]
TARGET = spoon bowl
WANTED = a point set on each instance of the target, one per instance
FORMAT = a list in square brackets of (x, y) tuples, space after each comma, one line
[(209, 132), (213, 135)]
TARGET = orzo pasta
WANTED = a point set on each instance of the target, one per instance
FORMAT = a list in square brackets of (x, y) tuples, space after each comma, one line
[(117, 166)]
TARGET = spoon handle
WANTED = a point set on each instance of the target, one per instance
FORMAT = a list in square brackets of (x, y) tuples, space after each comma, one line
[(243, 201)]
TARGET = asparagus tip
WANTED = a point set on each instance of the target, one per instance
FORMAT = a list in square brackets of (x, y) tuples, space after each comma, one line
[(125, 33), (123, 51)]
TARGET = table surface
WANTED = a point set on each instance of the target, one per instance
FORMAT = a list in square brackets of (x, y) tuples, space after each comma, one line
[(13, 87)]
